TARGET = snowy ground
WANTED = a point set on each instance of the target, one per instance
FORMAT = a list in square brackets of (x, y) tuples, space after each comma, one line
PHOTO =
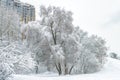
[(111, 71)]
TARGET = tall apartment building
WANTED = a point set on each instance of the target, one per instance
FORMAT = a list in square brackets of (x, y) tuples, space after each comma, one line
[(25, 11)]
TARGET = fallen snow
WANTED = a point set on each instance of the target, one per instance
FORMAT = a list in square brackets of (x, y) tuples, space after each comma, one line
[(111, 71)]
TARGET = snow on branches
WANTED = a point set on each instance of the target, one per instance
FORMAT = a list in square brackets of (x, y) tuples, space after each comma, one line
[(59, 45)]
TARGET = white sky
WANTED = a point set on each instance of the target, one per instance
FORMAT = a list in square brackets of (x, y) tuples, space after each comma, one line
[(100, 17)]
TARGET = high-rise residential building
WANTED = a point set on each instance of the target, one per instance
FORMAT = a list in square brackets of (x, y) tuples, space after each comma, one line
[(25, 11)]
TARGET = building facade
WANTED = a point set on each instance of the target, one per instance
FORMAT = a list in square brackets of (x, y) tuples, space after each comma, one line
[(25, 11)]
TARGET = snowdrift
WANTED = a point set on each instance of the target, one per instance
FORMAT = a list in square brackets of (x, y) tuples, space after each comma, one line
[(111, 71)]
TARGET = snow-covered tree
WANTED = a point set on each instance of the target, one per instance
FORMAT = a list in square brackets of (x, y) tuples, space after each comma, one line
[(9, 29), (15, 58), (91, 52), (5, 71), (38, 44), (57, 44), (9, 24), (59, 25), (14, 55)]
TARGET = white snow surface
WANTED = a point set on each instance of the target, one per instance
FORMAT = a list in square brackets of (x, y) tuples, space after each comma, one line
[(111, 71)]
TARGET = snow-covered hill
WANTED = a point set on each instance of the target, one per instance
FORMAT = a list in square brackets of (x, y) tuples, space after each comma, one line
[(111, 71)]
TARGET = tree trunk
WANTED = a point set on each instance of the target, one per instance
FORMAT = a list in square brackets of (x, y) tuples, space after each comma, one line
[(37, 68), (59, 69), (71, 70)]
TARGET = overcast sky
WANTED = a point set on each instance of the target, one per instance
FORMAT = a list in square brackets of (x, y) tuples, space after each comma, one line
[(100, 17)]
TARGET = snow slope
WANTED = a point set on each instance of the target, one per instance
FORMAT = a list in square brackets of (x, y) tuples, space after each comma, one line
[(111, 71)]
